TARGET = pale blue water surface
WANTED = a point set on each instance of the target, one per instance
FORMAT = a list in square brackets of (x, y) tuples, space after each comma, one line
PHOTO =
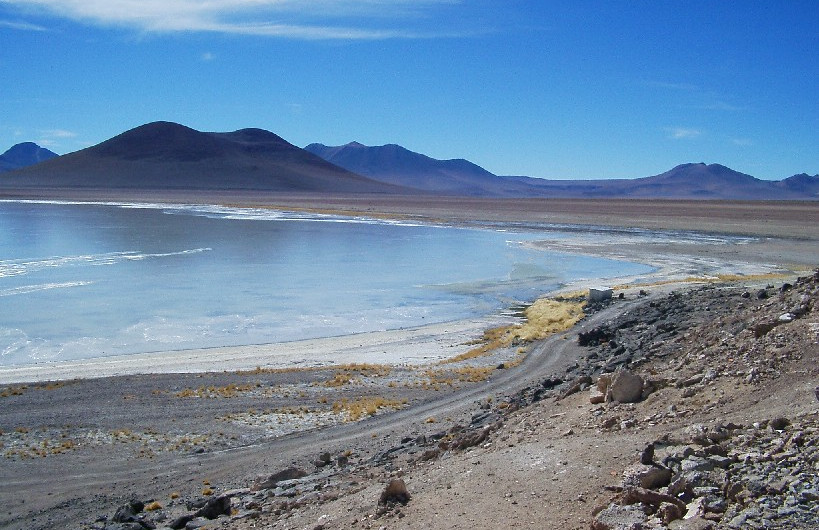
[(89, 280)]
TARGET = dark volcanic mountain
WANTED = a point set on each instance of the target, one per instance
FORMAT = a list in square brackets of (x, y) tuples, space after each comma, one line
[(165, 155), (23, 155), (397, 165)]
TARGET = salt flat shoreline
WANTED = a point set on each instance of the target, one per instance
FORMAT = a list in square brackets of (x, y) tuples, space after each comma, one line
[(675, 261)]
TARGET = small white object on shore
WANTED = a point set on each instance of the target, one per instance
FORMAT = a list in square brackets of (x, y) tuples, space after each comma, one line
[(600, 294)]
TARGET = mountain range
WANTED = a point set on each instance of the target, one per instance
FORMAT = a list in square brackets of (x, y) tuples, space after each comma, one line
[(169, 156)]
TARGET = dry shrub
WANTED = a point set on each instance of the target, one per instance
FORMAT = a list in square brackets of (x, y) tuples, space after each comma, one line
[(227, 391), (365, 406), (544, 317), (345, 373)]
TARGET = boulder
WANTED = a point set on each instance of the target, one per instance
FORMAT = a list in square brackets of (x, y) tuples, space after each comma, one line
[(127, 513), (214, 507), (617, 517), (625, 387), (694, 523), (596, 396), (286, 474), (646, 476), (395, 492)]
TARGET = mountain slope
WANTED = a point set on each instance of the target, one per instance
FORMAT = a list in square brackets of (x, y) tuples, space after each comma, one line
[(164, 155), (23, 155), (803, 184), (397, 165), (702, 181)]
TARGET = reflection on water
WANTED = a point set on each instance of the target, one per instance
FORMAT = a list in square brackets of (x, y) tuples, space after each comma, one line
[(88, 280)]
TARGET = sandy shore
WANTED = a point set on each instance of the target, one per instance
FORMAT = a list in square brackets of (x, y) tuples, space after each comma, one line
[(701, 240), (415, 346)]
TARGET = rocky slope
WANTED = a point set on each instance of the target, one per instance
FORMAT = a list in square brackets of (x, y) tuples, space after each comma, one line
[(695, 409)]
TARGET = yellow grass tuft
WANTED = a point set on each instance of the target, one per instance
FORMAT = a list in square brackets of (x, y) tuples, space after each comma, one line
[(228, 391), (345, 373), (546, 316), (365, 406), (711, 279), (13, 391), (339, 379)]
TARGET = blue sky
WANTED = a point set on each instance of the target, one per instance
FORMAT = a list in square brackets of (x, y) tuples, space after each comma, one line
[(554, 89)]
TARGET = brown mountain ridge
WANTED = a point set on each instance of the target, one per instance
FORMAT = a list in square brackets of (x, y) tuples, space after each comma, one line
[(165, 155)]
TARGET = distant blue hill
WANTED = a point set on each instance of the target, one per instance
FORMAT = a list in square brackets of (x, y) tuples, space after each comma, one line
[(24, 155), (399, 166)]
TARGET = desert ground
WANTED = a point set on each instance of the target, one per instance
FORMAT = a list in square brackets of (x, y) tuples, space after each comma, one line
[(307, 435)]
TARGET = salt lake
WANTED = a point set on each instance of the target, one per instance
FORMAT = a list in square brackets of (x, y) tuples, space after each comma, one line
[(81, 280)]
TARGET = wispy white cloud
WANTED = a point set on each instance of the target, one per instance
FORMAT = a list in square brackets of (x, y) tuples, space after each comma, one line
[(680, 133), (207, 57), (721, 105), (670, 85), (22, 26), (55, 137), (315, 19), (742, 142), (60, 133)]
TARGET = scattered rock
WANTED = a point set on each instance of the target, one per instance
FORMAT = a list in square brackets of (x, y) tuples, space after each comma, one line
[(395, 492), (625, 387), (128, 512), (215, 507), (779, 424), (286, 474), (646, 476), (617, 517)]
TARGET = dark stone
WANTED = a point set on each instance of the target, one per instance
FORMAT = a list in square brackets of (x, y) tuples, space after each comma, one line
[(593, 337), (647, 456), (287, 474), (779, 424), (127, 513), (576, 386), (214, 508), (181, 521)]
